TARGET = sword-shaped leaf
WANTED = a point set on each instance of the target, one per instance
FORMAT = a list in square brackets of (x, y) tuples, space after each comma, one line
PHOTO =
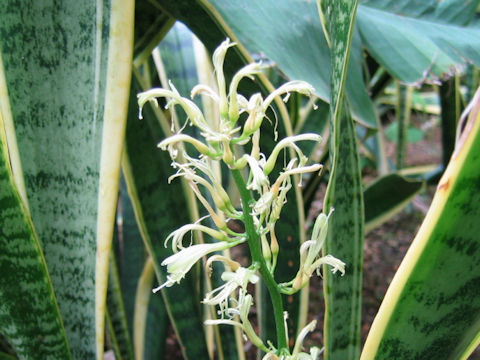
[(29, 315), (344, 193), (56, 94), (432, 307)]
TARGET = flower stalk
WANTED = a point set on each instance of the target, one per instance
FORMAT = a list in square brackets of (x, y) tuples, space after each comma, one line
[(262, 199)]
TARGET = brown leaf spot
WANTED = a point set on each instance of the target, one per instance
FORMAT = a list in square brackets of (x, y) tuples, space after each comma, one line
[(444, 185)]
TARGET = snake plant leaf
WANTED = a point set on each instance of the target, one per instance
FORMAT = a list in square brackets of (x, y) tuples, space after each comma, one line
[(386, 196), (29, 315), (142, 299), (178, 58), (57, 102), (116, 314), (151, 26), (450, 100), (344, 193), (432, 307), (131, 256), (159, 210), (403, 109), (130, 253), (426, 47), (119, 65), (472, 75), (156, 329)]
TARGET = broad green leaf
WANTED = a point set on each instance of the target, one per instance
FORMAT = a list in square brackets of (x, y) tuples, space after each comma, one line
[(457, 12), (206, 24), (344, 193), (413, 134), (57, 97), (414, 8), (431, 309), (386, 196), (29, 315), (414, 46), (290, 34)]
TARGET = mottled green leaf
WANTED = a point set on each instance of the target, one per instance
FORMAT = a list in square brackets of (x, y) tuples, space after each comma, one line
[(29, 315), (56, 95), (432, 307), (344, 193)]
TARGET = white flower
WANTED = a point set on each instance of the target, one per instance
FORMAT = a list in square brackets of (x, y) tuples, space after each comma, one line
[(179, 264), (218, 193), (289, 142), (263, 204), (218, 59), (242, 309), (256, 114), (301, 87), (177, 235), (259, 179), (201, 147), (292, 171), (193, 111), (247, 71), (310, 255), (233, 280), (301, 336), (336, 264)]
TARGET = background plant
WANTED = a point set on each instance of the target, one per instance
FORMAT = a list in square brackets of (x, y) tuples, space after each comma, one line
[(61, 113)]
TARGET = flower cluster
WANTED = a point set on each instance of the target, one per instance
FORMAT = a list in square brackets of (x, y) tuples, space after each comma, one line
[(223, 140)]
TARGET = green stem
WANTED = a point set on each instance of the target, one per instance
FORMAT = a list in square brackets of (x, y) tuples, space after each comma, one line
[(256, 252)]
